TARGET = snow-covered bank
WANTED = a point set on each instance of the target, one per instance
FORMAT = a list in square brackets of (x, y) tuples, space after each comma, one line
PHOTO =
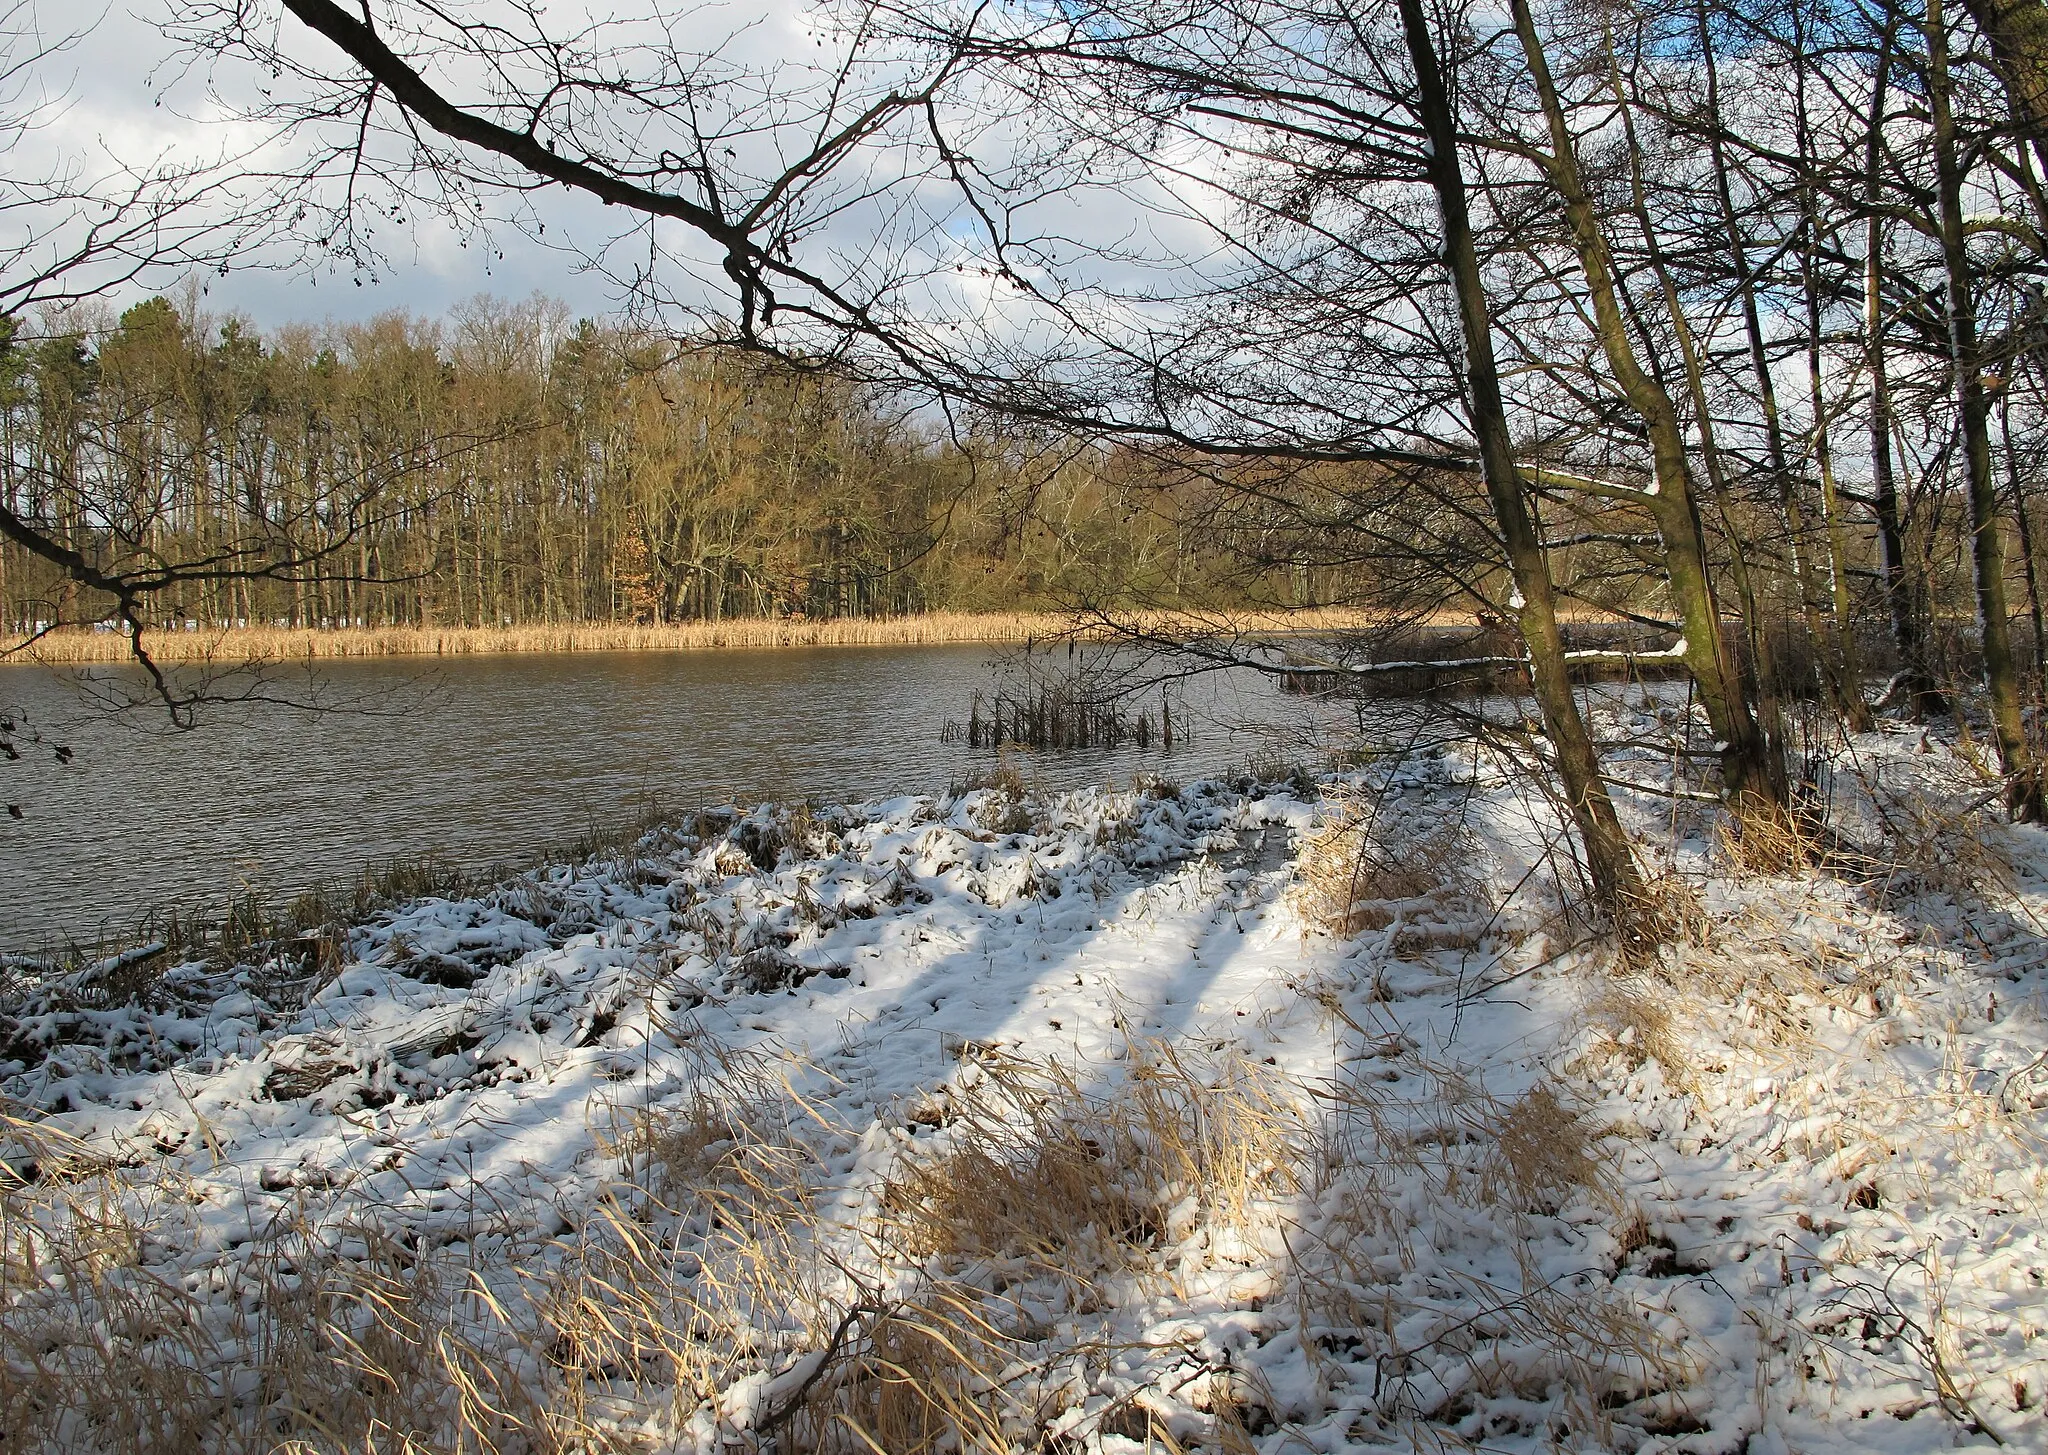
[(994, 1124)]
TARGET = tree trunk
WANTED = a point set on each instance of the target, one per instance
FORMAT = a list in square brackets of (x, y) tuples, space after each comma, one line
[(1751, 771), (1895, 572), (2015, 756), (1783, 484), (2018, 32), (1847, 657), (1610, 862), (2016, 488), (1718, 487), (1843, 669)]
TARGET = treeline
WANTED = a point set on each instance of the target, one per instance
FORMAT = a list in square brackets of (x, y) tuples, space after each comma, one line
[(507, 467)]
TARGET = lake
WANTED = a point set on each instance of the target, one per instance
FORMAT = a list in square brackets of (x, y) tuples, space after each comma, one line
[(491, 760)]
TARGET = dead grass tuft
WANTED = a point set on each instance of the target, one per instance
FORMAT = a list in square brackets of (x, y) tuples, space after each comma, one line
[(920, 1375), (1005, 807), (1031, 1166), (1545, 1149), (96, 1352), (1754, 989), (1634, 1014), (357, 1338), (1359, 872), (1059, 1197), (1755, 836), (734, 1117), (1667, 912), (1224, 1132)]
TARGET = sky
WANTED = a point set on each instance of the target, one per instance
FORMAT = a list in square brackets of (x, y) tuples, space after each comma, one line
[(887, 221), (117, 94)]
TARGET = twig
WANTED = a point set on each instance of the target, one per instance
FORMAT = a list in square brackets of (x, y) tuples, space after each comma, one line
[(783, 1412)]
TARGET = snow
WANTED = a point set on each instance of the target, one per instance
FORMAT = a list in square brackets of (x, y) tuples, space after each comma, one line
[(1781, 1191)]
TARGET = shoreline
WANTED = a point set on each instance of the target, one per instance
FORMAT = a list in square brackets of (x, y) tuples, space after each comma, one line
[(73, 648)]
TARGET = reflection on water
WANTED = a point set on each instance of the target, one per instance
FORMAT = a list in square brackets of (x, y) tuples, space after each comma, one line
[(492, 759)]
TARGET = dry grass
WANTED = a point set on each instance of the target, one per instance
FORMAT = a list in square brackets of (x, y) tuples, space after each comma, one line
[(1358, 872), (1757, 837), (1665, 911), (370, 1350), (1058, 1198), (1008, 808), (340, 1338), (1752, 989), (920, 1374), (292, 644), (1923, 835), (712, 1268), (1634, 1015), (1036, 1192), (1937, 846), (1416, 1175), (1033, 1167), (1545, 1149), (1222, 1132), (725, 1284)]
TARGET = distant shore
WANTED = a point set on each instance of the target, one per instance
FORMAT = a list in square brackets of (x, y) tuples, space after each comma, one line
[(283, 644)]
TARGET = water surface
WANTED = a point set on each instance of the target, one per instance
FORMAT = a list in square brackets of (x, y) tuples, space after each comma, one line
[(491, 760)]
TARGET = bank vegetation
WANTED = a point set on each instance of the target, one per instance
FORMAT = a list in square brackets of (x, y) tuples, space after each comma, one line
[(237, 644)]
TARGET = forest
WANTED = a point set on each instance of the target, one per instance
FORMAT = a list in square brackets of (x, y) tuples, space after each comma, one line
[(506, 467)]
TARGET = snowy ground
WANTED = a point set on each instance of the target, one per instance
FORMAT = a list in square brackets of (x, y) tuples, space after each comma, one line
[(993, 1123)]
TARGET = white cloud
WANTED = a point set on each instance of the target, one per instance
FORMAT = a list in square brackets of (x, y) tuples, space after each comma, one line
[(133, 98)]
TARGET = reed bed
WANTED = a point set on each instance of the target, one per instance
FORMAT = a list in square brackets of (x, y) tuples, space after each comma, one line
[(1063, 716), (285, 644)]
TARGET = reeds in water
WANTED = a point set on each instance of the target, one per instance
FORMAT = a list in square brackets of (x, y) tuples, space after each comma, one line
[(281, 644), (1063, 716)]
